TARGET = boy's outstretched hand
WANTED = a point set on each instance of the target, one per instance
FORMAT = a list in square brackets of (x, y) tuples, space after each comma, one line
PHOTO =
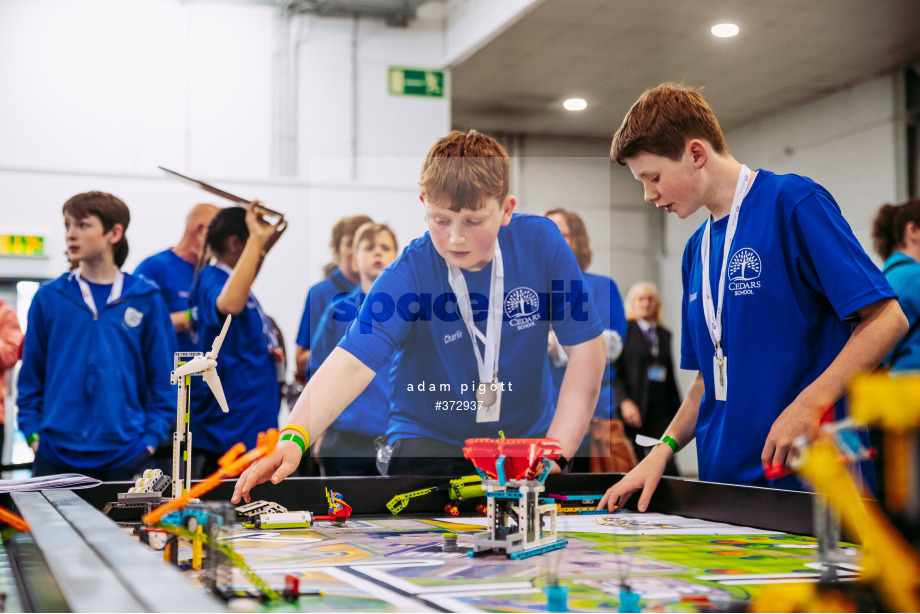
[(644, 476), (276, 466), (797, 420)]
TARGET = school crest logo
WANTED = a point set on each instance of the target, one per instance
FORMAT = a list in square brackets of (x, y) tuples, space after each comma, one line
[(744, 269), (133, 317), (522, 306)]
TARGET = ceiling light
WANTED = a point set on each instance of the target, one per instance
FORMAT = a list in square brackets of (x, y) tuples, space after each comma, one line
[(575, 104), (725, 30)]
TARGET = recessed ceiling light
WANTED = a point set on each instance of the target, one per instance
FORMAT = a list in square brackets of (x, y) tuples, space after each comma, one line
[(725, 30), (575, 104)]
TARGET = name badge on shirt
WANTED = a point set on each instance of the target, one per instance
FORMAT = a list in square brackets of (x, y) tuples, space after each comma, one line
[(489, 397), (657, 373), (720, 376)]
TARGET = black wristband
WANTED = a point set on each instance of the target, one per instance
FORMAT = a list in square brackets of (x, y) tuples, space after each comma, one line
[(561, 462)]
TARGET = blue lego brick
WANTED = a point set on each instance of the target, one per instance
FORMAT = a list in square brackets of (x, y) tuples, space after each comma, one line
[(523, 554), (504, 495)]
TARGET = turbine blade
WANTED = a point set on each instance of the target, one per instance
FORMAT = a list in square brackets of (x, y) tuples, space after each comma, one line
[(213, 382), (218, 341)]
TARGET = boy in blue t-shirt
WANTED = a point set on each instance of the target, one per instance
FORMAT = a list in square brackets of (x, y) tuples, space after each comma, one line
[(464, 314), (94, 390), (781, 305)]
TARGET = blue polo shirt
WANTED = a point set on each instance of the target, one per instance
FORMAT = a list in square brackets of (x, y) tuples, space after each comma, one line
[(411, 317), (173, 276), (796, 274), (318, 298)]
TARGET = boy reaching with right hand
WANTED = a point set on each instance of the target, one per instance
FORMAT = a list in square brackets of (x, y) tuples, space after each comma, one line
[(464, 312)]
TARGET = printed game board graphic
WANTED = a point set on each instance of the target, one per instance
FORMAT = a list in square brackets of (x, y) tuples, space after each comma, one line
[(398, 564)]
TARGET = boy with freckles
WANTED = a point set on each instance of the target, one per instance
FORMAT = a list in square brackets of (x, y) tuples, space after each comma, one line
[(781, 305), (483, 285)]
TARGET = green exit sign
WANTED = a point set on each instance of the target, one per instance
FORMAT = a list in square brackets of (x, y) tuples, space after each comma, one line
[(31, 246), (416, 82)]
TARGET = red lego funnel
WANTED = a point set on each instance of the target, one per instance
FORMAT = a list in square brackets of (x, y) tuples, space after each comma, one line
[(521, 456)]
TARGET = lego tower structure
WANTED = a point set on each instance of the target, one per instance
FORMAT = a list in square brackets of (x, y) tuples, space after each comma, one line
[(513, 474)]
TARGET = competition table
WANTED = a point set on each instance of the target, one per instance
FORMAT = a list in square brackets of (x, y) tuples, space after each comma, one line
[(77, 559)]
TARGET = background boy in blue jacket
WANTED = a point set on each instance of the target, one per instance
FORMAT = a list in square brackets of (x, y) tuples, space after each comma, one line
[(94, 390)]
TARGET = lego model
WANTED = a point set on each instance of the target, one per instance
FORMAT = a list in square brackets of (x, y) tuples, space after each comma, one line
[(231, 465), (890, 563), (187, 364), (146, 494), (577, 504), (281, 520), (255, 508), (466, 487), (15, 521), (339, 511), (513, 475)]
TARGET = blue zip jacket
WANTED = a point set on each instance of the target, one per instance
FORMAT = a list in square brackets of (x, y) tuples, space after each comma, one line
[(97, 385)]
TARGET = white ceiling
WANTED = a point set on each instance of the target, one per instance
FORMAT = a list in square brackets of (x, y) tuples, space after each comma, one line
[(609, 51)]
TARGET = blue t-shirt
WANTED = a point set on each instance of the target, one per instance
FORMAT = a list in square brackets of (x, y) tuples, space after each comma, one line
[(318, 298), (101, 292), (244, 365), (903, 273), (368, 413), (411, 315), (606, 297), (173, 276), (795, 275)]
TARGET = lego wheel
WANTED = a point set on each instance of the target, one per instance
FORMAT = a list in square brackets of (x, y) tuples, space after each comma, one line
[(191, 523)]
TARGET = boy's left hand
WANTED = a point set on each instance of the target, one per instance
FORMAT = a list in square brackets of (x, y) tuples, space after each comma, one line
[(796, 420)]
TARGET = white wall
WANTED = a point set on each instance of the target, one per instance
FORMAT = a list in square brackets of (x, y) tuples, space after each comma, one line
[(98, 93), (576, 174)]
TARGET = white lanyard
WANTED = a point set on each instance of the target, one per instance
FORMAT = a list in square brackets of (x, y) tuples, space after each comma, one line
[(713, 315), (487, 364), (114, 295)]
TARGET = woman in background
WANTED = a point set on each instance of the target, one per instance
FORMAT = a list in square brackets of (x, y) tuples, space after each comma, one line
[(644, 386), (605, 449)]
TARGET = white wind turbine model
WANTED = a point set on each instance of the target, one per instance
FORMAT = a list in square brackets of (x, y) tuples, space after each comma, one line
[(186, 365)]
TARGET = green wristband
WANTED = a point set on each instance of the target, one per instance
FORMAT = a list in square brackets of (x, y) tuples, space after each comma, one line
[(296, 439), (32, 438), (671, 442)]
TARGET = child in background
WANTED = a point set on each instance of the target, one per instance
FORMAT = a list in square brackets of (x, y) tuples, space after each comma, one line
[(896, 234), (94, 390), (341, 278), (781, 305), (348, 447), (464, 315), (238, 239)]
